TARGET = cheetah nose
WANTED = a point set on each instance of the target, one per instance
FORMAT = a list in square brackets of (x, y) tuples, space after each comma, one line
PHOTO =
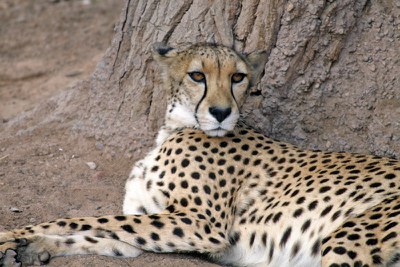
[(220, 113)]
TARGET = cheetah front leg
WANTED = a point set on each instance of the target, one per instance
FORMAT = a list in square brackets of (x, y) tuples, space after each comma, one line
[(123, 236), (39, 249)]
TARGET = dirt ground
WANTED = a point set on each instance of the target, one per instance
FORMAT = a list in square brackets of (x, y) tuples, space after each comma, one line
[(45, 47)]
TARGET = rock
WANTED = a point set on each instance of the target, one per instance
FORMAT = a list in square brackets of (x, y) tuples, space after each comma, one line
[(91, 165), (15, 210)]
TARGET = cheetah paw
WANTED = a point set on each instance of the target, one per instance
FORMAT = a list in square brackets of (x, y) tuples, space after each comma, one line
[(22, 252)]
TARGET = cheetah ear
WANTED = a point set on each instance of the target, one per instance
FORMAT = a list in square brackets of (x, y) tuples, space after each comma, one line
[(257, 61), (163, 52)]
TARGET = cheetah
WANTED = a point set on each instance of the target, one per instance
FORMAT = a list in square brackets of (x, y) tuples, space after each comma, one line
[(216, 186)]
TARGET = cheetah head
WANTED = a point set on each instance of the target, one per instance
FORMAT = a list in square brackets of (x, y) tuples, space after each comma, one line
[(206, 85)]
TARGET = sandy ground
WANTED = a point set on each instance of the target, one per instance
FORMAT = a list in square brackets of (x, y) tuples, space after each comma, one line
[(45, 47)]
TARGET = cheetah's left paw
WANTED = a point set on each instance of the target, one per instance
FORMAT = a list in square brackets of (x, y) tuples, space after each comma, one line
[(23, 252)]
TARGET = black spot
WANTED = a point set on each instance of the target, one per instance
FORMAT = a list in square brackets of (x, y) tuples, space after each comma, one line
[(295, 250), (390, 176), (170, 244), (212, 176), (232, 150), (271, 250), (389, 236), (141, 240), (113, 235), (341, 234), (69, 241), (231, 169), (120, 218), (86, 227), (207, 229), (349, 224), (285, 237), (154, 236), (192, 148), (324, 189), (60, 223), (340, 191), (376, 259), (336, 215), (257, 162), (214, 241), (195, 175), (157, 224), (171, 186), (372, 242), (312, 205), (297, 212), (184, 202), (374, 185), (128, 228), (326, 210), (186, 221), (237, 157), (222, 183), (233, 239), (184, 184), (185, 163), (371, 226), (277, 217), (252, 237), (300, 200), (353, 237), (148, 185), (154, 169), (264, 239), (352, 255), (178, 232), (339, 250), (375, 216), (316, 248), (91, 240), (305, 225), (198, 201), (117, 253), (221, 162), (326, 251), (173, 170), (207, 189), (73, 225), (389, 226)]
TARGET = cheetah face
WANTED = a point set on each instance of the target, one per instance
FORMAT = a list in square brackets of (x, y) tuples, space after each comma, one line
[(207, 85)]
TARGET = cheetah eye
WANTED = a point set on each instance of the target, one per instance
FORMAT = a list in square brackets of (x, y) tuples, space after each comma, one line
[(238, 77), (197, 76)]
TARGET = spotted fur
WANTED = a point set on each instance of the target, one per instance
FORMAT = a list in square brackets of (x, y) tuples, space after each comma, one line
[(216, 186)]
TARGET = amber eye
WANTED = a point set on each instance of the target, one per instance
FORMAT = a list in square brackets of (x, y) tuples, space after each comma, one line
[(197, 76), (238, 77)]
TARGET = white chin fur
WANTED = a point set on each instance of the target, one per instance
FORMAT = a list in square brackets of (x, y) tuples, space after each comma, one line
[(215, 133)]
